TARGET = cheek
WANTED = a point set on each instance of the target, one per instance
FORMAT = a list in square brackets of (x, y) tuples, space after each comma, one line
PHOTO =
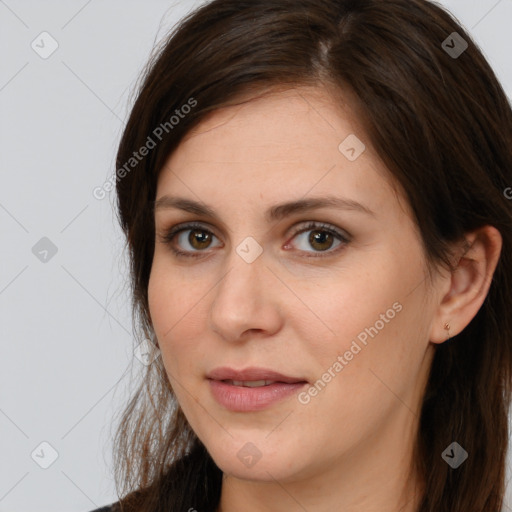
[(169, 297), (370, 364), (175, 306), (374, 319), (356, 300)]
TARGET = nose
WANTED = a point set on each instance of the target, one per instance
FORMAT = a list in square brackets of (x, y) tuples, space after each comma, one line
[(246, 301)]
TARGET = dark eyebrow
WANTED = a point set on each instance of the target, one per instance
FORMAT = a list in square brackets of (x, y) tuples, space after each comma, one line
[(275, 213)]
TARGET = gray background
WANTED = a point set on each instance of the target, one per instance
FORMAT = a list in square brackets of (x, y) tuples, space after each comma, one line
[(67, 348)]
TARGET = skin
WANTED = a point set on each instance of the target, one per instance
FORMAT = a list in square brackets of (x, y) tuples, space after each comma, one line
[(350, 447)]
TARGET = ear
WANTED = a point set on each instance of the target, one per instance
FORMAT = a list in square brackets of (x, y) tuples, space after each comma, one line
[(464, 290)]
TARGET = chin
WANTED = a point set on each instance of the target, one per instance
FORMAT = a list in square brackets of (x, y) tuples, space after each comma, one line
[(250, 456)]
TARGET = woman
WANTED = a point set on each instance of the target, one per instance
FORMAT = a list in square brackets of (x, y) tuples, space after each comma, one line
[(314, 194)]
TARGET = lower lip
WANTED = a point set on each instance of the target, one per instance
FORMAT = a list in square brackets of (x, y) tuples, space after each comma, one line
[(244, 399)]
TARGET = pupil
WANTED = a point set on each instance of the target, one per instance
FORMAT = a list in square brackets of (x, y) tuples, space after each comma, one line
[(198, 238), (319, 237)]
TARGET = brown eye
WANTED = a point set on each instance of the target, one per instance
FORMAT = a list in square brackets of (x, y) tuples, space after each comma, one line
[(199, 238), (193, 238), (321, 238)]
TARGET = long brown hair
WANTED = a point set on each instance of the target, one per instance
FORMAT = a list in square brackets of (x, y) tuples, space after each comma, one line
[(440, 121)]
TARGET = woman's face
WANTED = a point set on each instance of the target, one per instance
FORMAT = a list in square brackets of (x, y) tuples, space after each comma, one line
[(340, 307)]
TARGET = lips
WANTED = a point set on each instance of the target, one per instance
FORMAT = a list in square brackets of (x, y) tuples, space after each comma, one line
[(252, 389), (263, 376)]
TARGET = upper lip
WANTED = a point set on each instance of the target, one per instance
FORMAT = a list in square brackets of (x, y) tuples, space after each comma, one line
[(251, 374)]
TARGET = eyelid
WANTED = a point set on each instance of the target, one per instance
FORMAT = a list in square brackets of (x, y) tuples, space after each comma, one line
[(320, 226), (167, 236)]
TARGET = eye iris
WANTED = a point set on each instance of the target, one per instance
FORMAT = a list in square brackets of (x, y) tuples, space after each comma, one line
[(320, 239), (201, 238), (319, 236)]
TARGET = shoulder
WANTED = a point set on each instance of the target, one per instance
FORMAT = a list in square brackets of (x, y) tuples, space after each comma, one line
[(107, 508), (130, 503)]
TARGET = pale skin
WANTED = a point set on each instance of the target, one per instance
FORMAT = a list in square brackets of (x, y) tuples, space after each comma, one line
[(348, 448)]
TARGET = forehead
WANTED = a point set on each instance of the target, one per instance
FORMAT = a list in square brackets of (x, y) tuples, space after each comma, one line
[(283, 145), (279, 116)]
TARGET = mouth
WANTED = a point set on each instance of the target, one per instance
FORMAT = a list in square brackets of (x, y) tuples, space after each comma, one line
[(251, 383), (253, 376), (252, 389)]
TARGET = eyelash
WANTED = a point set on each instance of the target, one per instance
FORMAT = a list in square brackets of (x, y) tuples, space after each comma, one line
[(170, 234)]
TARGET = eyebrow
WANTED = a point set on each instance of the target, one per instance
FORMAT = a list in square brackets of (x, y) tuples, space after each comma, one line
[(275, 213)]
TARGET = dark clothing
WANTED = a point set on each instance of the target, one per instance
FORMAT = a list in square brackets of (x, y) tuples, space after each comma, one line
[(195, 472)]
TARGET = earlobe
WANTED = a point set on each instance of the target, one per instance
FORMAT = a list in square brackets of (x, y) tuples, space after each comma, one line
[(469, 284), (447, 327)]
